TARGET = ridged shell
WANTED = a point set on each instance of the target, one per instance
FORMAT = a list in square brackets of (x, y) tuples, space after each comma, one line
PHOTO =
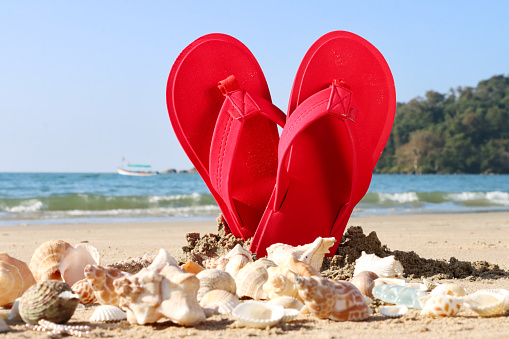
[(442, 305), (502, 291), (45, 262), (84, 289), (364, 283), (258, 314), (231, 262), (394, 311), (311, 254), (454, 290), (485, 303), (221, 300), (192, 267), (214, 279), (101, 279), (290, 315), (15, 278), (52, 300), (335, 300), (250, 281), (387, 267), (280, 282), (287, 302), (430, 285), (107, 313)]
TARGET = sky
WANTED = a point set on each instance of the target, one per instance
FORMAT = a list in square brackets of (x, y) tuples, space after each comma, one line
[(83, 83)]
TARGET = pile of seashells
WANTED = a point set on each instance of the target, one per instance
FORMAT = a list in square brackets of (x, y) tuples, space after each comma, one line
[(285, 284)]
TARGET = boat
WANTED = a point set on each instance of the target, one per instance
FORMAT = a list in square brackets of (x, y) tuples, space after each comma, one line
[(139, 173)]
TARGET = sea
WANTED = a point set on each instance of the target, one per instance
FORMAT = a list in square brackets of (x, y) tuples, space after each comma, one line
[(62, 198)]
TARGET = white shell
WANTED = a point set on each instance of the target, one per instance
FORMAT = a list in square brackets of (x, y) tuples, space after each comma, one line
[(258, 314), (214, 279), (221, 300), (387, 267), (287, 302), (161, 259), (76, 259), (485, 303), (250, 281), (107, 313), (430, 284), (454, 290), (14, 315), (442, 305), (394, 311), (290, 315), (502, 291)]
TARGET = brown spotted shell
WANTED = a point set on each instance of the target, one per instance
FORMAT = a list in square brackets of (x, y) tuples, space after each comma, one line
[(15, 278), (84, 289), (101, 280)]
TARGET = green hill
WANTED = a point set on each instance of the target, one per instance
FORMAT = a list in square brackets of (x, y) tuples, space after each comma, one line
[(463, 131)]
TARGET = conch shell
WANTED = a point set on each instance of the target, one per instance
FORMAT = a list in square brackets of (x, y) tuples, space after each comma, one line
[(281, 282), (232, 262), (335, 300), (387, 267), (312, 253), (101, 279), (251, 279), (15, 279), (152, 294), (58, 260)]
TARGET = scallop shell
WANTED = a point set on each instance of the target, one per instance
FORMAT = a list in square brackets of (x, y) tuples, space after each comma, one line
[(107, 313), (280, 282), (311, 254), (485, 303), (290, 315), (335, 300), (250, 281), (52, 300), (394, 311), (192, 267), (258, 314), (454, 290), (364, 283), (84, 289), (101, 279), (15, 278), (221, 300), (502, 291), (214, 279), (442, 305), (287, 302), (430, 285), (387, 267)]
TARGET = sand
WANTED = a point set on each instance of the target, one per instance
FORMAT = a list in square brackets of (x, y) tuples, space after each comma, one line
[(465, 237)]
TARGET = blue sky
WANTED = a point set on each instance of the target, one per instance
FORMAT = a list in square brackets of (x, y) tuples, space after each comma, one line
[(82, 83)]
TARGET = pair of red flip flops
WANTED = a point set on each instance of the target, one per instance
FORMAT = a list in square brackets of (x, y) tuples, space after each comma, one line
[(304, 184)]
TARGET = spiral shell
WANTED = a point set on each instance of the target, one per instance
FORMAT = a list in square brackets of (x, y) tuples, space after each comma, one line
[(442, 305), (107, 313), (387, 267), (52, 300), (214, 279), (15, 278), (84, 289), (280, 282), (364, 283), (250, 281), (221, 300), (486, 303)]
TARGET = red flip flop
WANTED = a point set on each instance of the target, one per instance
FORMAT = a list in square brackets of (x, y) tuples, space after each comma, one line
[(221, 111), (340, 116)]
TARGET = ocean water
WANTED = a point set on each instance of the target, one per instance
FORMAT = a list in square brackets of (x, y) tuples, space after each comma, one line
[(33, 198)]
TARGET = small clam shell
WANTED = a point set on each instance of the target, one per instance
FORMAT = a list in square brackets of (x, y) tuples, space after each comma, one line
[(250, 281), (486, 304), (502, 291), (364, 283), (287, 302), (258, 314), (454, 290), (214, 279), (387, 267), (84, 289), (224, 301), (430, 284), (15, 278), (290, 315), (441, 305), (107, 313), (52, 300), (394, 311)]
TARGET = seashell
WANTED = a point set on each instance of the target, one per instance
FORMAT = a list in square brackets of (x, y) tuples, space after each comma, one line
[(265, 262), (311, 254), (3, 326), (101, 279), (300, 268), (217, 263), (51, 300), (258, 314), (486, 303), (238, 258), (364, 283), (394, 311), (280, 282), (75, 260), (287, 302), (387, 267), (454, 290), (214, 279), (390, 281), (290, 315), (107, 313), (430, 285), (84, 289), (250, 281), (502, 291), (335, 300), (15, 278), (372, 275), (14, 316), (442, 305), (221, 300), (399, 295), (192, 267), (161, 259)]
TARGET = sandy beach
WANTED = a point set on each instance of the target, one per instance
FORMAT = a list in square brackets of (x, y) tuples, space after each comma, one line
[(466, 237)]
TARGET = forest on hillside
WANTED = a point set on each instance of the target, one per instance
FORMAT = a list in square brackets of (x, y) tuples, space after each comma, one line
[(463, 131)]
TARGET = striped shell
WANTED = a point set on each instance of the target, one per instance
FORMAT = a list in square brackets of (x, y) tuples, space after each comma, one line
[(84, 289), (486, 303), (442, 305), (221, 300), (107, 313), (250, 281), (52, 300), (15, 278), (258, 314), (214, 279), (387, 267)]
